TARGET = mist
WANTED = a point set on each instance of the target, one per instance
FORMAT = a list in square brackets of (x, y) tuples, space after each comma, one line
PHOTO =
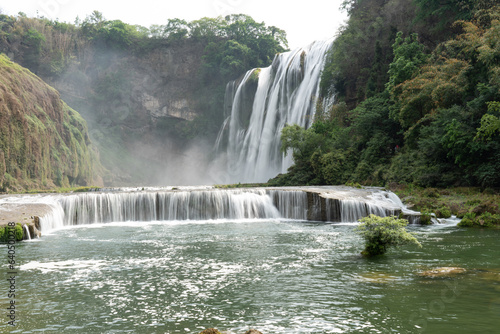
[(168, 165)]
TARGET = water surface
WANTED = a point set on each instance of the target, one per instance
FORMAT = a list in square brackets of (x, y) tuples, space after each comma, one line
[(277, 276)]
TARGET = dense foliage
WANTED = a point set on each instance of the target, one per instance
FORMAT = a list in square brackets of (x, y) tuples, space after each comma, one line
[(429, 116), (7, 232), (233, 44), (382, 232)]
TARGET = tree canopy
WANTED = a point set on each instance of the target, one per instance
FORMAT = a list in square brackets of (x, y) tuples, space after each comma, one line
[(434, 120)]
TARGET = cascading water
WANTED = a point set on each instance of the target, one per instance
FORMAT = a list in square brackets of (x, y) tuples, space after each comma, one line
[(27, 232), (169, 205), (285, 93), (334, 204)]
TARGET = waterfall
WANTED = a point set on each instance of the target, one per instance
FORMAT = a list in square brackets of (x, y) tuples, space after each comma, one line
[(91, 208), (54, 219), (330, 203), (27, 231), (262, 104), (352, 210), (290, 204)]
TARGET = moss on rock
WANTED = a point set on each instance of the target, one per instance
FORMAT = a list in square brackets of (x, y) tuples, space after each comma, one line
[(43, 142)]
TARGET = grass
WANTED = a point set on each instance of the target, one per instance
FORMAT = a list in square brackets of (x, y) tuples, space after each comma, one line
[(60, 190), (240, 185)]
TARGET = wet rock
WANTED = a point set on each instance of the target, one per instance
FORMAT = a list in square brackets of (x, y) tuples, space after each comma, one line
[(210, 331), (253, 331), (443, 272)]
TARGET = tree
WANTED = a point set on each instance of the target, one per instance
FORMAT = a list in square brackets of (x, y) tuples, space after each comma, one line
[(490, 124), (408, 57), (382, 232), (175, 29)]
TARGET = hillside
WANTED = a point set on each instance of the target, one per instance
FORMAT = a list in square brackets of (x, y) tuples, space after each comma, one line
[(417, 92), (43, 142)]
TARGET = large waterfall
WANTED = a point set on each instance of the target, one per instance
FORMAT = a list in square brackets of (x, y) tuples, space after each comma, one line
[(261, 104), (334, 204)]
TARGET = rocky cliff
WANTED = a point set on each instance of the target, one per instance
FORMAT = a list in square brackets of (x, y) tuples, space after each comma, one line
[(144, 110), (43, 142)]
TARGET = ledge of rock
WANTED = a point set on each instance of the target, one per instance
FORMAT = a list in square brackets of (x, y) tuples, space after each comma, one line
[(25, 214)]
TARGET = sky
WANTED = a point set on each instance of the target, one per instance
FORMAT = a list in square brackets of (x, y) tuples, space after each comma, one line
[(304, 21)]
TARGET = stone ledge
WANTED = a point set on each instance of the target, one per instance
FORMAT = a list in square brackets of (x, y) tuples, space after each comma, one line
[(24, 213)]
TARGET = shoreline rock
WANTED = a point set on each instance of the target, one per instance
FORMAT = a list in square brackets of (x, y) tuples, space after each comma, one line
[(25, 214)]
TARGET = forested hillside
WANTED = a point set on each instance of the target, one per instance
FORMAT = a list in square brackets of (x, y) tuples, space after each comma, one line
[(148, 94), (43, 142), (417, 86)]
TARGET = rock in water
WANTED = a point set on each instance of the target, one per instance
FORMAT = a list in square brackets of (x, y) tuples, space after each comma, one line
[(210, 331), (443, 272), (253, 331)]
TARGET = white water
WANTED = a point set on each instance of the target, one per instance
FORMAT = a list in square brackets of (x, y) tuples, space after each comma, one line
[(334, 204), (286, 93), (27, 231)]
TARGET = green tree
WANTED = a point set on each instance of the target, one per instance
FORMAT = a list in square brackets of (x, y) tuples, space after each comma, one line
[(382, 232), (33, 42), (409, 56), (235, 58), (490, 124)]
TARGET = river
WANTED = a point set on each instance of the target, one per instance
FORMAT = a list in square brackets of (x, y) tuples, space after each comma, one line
[(275, 275)]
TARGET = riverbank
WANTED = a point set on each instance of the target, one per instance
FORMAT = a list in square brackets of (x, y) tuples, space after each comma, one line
[(475, 207)]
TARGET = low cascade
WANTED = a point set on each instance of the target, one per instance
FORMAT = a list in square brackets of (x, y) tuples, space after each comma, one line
[(261, 104), (290, 204), (27, 232), (209, 204), (173, 205), (54, 218), (352, 210)]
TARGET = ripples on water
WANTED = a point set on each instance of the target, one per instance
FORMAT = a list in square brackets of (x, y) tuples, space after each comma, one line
[(277, 276)]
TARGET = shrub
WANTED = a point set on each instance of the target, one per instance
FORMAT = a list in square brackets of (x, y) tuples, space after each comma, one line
[(425, 219), (381, 232), (467, 220), (431, 192), (484, 220), (18, 232), (443, 212)]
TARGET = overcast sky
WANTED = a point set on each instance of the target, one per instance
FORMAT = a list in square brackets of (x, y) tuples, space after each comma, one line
[(304, 21)]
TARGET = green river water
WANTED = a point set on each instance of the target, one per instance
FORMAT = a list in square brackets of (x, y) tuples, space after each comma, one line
[(276, 276)]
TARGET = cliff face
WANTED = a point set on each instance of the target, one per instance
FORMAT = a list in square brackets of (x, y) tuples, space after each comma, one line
[(144, 110), (156, 83), (43, 142)]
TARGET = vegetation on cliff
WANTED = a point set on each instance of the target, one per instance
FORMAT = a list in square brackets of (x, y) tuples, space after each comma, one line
[(417, 99), (43, 142)]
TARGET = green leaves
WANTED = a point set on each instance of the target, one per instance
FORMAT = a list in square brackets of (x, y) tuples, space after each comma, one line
[(490, 124), (408, 57), (382, 232)]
